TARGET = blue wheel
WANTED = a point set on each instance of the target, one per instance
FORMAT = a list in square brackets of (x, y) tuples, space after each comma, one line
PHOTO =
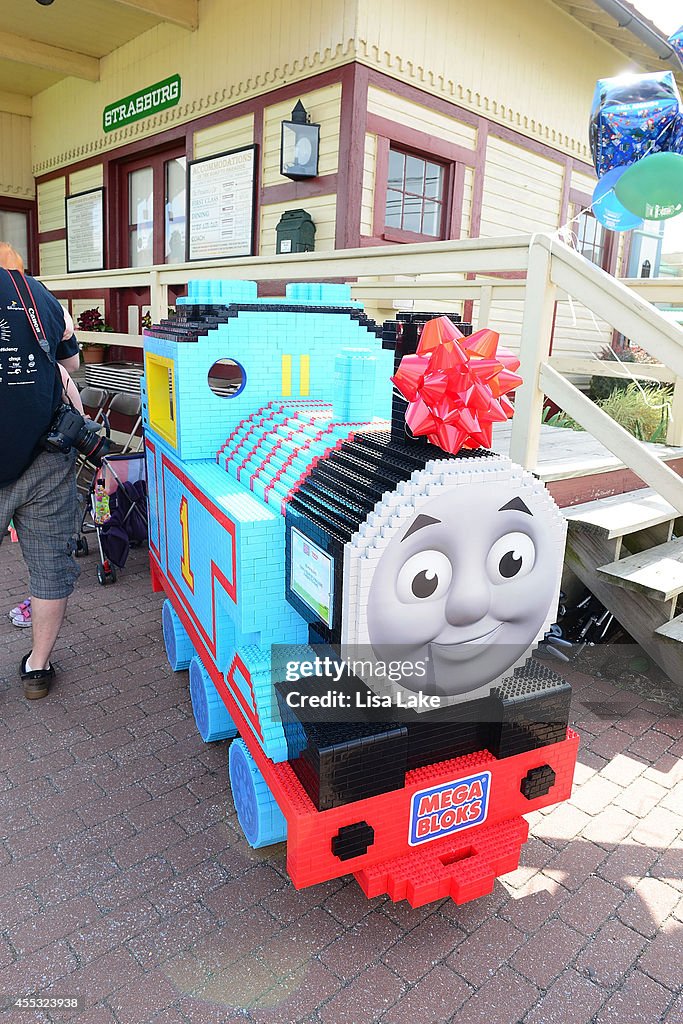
[(262, 821), (179, 649), (210, 713)]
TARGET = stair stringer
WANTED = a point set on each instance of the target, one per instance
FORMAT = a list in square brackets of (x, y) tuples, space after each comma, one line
[(638, 614)]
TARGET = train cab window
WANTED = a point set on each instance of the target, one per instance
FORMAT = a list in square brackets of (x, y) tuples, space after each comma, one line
[(160, 376)]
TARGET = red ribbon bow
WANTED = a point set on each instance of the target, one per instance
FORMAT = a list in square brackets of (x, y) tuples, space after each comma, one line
[(456, 389)]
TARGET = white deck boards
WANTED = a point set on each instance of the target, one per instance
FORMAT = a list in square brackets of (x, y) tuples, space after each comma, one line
[(622, 514), (564, 454), (657, 572)]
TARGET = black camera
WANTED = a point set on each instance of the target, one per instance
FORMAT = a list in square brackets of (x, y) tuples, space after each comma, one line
[(71, 430)]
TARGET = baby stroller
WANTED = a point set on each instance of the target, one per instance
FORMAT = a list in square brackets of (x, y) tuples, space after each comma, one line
[(119, 511)]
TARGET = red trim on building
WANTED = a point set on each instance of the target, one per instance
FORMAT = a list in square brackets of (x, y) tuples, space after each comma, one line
[(352, 128)]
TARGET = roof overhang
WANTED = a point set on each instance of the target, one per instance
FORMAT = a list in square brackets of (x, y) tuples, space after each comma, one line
[(622, 26), (68, 38)]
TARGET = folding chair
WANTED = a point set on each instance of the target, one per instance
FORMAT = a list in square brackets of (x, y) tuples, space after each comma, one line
[(125, 416)]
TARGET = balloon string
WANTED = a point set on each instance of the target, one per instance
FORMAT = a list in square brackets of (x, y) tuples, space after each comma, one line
[(570, 238)]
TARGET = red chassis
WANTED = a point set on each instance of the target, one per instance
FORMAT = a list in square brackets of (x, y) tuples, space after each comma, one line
[(462, 865)]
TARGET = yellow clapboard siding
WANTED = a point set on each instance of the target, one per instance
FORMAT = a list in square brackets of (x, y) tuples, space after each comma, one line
[(51, 215), (238, 50), (367, 204), (322, 210), (83, 181), (53, 257), (420, 118), (324, 108), (16, 176), (583, 182), (220, 138), (523, 63), (522, 191)]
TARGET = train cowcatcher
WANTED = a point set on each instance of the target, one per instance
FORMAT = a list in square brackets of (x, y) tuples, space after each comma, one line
[(307, 517)]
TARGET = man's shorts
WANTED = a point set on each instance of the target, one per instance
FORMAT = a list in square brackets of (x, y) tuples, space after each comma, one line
[(44, 506)]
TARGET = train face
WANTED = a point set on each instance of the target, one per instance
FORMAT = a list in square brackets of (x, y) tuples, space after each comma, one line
[(293, 516)]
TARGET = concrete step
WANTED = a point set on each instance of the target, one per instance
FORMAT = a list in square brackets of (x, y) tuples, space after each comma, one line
[(622, 514), (657, 572)]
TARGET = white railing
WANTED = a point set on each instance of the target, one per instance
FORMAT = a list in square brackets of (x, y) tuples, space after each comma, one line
[(534, 272)]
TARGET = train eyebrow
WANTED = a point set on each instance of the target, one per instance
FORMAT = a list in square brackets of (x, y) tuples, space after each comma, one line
[(419, 524), (516, 505)]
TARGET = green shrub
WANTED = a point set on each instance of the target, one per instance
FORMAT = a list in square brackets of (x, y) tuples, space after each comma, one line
[(643, 410)]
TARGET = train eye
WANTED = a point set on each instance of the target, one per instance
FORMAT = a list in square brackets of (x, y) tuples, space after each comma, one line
[(511, 557), (425, 576)]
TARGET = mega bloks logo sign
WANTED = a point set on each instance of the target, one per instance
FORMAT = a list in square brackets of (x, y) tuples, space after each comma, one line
[(451, 807)]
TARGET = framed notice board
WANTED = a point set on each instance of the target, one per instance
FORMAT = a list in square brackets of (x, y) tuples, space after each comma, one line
[(85, 231), (221, 196)]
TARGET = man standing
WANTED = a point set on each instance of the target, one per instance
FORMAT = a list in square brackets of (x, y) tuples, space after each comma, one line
[(37, 487)]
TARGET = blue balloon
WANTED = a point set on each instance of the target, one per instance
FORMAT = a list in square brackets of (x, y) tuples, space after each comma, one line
[(607, 208), (631, 117), (676, 41)]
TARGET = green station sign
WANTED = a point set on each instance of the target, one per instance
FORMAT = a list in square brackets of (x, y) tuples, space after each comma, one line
[(142, 104)]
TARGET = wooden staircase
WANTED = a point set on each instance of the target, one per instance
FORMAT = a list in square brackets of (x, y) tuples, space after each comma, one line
[(625, 550)]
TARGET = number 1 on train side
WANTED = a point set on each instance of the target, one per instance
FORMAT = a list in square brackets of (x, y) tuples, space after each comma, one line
[(185, 570)]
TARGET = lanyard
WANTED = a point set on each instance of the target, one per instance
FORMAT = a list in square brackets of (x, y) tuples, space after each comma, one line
[(29, 303)]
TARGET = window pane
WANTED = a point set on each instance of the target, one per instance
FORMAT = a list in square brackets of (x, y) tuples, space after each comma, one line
[(433, 181), (415, 170), (396, 166), (431, 218), (141, 217), (14, 231), (412, 213), (394, 206), (174, 206)]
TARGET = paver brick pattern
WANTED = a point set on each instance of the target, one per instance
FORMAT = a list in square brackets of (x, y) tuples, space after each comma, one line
[(125, 878)]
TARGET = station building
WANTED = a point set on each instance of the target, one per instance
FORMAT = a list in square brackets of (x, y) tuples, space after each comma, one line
[(125, 122)]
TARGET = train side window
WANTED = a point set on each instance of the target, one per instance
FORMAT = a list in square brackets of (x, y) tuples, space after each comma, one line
[(227, 378), (160, 376)]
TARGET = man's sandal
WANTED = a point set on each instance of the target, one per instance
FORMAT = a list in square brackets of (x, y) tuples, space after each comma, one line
[(37, 681)]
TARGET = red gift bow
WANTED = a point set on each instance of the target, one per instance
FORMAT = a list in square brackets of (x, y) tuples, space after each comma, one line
[(456, 391)]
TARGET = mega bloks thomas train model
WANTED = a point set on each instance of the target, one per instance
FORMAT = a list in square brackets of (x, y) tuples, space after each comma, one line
[(299, 503)]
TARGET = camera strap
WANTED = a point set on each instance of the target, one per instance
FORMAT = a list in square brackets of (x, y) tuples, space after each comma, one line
[(30, 308)]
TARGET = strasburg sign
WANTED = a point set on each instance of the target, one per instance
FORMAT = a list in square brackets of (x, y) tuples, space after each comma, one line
[(142, 104)]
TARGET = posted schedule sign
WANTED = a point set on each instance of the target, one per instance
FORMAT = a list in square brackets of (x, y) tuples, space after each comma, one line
[(85, 231), (220, 205)]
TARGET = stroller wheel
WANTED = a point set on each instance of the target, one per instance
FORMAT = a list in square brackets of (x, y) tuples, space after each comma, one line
[(81, 547), (106, 573)]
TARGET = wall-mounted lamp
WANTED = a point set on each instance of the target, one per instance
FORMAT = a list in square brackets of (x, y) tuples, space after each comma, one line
[(299, 145)]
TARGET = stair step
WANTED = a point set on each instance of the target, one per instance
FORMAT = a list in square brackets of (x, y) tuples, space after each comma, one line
[(622, 514), (673, 629), (657, 572)]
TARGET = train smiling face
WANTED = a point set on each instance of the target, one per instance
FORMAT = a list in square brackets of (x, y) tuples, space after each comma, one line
[(468, 582)]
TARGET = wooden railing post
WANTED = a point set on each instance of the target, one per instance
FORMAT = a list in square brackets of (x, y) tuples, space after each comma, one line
[(674, 432), (484, 312), (158, 297), (537, 325)]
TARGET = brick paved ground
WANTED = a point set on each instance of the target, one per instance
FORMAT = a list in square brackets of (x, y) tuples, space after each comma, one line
[(125, 879)]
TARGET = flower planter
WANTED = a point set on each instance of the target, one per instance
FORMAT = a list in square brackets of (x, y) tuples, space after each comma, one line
[(93, 354)]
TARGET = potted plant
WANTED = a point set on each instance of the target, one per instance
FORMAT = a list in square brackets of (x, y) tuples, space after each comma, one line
[(91, 320)]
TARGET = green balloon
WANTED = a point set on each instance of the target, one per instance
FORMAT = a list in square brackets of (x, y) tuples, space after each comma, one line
[(652, 188)]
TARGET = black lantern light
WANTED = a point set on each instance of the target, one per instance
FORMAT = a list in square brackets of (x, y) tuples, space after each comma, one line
[(299, 145)]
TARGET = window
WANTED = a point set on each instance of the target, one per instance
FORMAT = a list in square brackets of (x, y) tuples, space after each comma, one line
[(415, 194), (590, 238), (154, 188), (14, 230)]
